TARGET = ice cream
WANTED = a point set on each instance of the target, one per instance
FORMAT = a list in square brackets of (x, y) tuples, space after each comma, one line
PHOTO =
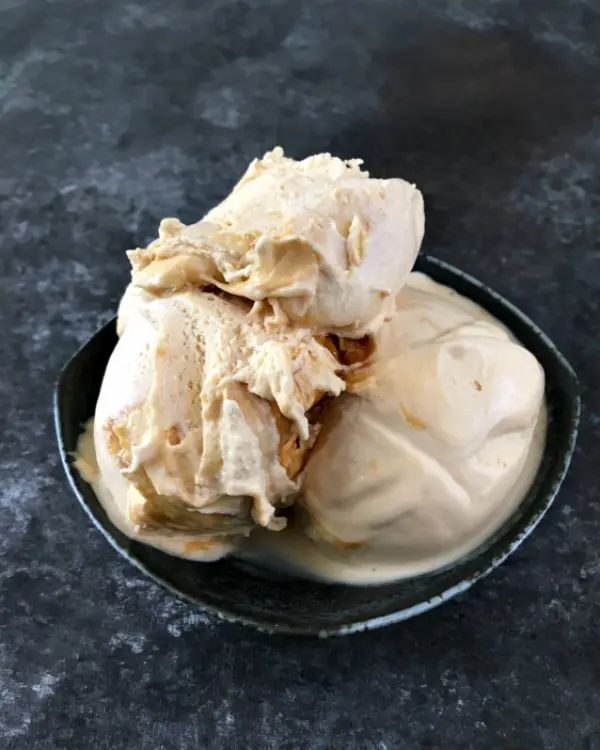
[(279, 352), (432, 456), (315, 243), (233, 333), (204, 418)]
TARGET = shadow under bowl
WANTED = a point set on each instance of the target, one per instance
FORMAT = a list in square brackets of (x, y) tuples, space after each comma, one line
[(273, 605)]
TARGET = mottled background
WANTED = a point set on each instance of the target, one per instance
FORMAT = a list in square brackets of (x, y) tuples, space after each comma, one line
[(115, 114)]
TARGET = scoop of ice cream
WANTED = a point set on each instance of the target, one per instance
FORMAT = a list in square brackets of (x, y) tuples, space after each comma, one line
[(204, 418), (438, 448), (315, 242)]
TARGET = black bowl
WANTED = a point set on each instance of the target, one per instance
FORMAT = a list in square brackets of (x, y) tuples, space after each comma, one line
[(302, 607)]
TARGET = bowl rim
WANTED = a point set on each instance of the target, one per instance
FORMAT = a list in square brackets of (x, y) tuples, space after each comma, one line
[(499, 550)]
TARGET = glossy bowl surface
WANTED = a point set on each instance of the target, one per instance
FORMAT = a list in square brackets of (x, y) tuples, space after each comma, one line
[(235, 593)]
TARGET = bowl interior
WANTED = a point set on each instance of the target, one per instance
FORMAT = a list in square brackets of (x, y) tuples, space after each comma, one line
[(289, 605)]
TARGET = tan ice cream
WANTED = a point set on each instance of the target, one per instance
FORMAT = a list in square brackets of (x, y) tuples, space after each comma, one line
[(204, 419), (315, 243), (238, 336), (432, 456)]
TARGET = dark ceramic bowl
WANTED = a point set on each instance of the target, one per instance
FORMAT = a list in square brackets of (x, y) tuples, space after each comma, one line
[(235, 593)]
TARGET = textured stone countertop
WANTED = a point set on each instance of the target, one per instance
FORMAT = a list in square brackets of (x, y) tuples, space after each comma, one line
[(115, 114)]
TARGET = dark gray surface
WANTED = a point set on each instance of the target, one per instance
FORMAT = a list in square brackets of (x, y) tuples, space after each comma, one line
[(115, 114)]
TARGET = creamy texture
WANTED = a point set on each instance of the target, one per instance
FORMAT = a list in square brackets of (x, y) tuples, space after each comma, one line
[(280, 351), (433, 455), (288, 367), (316, 243), (112, 488), (202, 423)]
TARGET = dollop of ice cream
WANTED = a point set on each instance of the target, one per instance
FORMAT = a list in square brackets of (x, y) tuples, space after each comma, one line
[(315, 243), (204, 418), (435, 452)]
